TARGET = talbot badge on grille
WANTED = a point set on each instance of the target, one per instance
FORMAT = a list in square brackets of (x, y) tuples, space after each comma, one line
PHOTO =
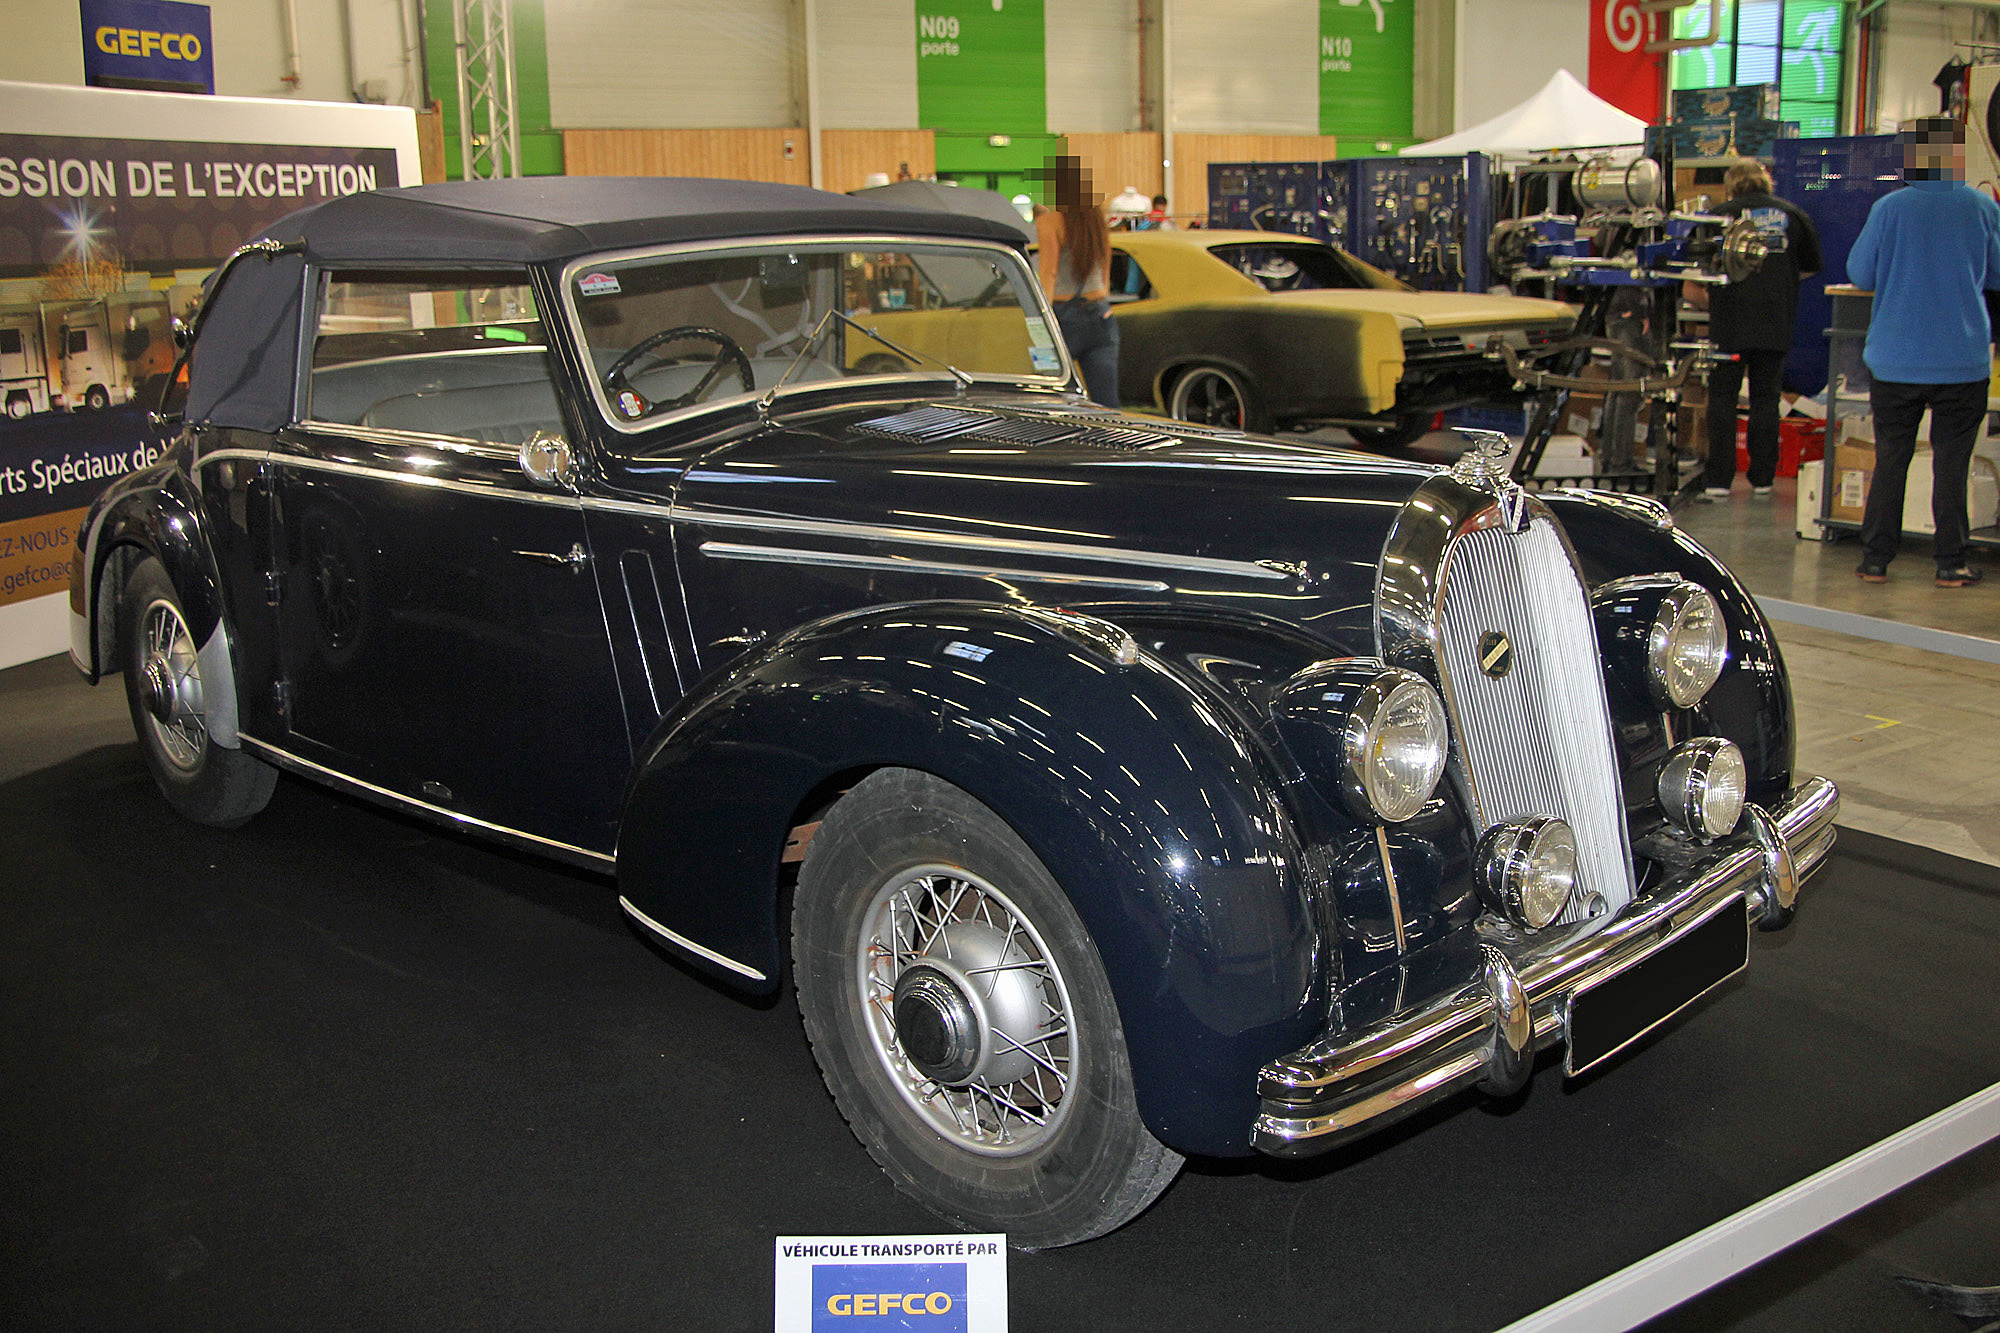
[(1496, 653)]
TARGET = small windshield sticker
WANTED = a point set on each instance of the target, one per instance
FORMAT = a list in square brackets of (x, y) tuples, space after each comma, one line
[(1044, 358), (598, 284), (630, 404)]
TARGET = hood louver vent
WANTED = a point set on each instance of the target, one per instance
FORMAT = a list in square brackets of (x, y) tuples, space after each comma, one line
[(928, 424)]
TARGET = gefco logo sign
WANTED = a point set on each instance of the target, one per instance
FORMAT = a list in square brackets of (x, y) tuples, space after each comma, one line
[(862, 1298), (158, 44)]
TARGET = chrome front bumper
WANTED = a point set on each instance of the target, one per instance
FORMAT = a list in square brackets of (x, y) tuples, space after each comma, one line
[(1347, 1085)]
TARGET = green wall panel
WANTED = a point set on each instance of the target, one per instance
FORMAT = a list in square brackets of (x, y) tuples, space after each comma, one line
[(1367, 69), (982, 66), (541, 142)]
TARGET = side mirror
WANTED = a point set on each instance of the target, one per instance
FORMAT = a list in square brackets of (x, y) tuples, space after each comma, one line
[(548, 462)]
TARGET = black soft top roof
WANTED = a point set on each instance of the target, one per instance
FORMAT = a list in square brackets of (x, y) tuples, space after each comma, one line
[(248, 353), (541, 218)]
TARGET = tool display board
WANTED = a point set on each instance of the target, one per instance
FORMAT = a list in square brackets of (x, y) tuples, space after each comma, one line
[(1423, 219)]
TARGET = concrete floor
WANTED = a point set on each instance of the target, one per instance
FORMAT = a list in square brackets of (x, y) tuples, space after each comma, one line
[(1908, 734)]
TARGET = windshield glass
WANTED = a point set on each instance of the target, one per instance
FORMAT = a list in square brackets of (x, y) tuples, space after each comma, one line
[(667, 333), (1298, 267)]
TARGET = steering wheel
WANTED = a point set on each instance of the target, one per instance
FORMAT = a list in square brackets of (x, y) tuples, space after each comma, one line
[(633, 405)]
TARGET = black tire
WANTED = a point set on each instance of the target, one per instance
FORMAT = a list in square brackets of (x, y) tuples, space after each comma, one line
[(204, 781), (96, 398), (1038, 1138), (1215, 396), (1384, 439)]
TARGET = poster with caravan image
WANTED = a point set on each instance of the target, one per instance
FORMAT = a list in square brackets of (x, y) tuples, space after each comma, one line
[(114, 206)]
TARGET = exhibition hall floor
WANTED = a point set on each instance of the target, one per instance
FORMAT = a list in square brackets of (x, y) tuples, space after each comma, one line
[(336, 1070)]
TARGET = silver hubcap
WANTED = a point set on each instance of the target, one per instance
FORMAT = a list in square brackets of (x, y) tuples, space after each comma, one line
[(967, 1011), (170, 680)]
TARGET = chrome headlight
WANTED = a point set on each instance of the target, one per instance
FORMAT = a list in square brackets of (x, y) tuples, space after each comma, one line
[(1378, 732), (1686, 647), (1527, 870), (1703, 785)]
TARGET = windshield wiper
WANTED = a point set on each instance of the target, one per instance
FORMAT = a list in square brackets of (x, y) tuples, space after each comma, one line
[(805, 354)]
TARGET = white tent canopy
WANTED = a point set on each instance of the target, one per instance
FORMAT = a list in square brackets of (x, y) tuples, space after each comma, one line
[(1564, 114)]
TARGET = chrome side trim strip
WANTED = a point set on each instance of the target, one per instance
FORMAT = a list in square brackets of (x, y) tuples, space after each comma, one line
[(785, 555), (683, 942), (968, 541), (231, 456), (366, 473), (382, 795)]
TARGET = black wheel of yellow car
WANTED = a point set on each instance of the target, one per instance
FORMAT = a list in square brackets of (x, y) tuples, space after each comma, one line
[(206, 782), (1215, 396), (1407, 430), (962, 1019)]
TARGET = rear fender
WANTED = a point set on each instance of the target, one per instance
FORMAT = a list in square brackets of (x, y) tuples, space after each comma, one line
[(1152, 805)]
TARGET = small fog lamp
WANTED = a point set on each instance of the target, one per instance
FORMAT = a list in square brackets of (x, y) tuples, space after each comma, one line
[(1527, 870), (1703, 785)]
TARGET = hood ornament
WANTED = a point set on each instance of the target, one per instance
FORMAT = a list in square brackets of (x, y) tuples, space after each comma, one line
[(1483, 467)]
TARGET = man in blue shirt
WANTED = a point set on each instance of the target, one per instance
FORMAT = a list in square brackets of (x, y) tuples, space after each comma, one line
[(1929, 252)]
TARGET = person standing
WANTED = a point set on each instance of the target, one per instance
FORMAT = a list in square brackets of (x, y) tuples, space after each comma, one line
[(1929, 252), (1073, 261), (1753, 321)]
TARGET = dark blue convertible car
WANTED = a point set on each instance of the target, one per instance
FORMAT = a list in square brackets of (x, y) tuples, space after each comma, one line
[(1110, 789)]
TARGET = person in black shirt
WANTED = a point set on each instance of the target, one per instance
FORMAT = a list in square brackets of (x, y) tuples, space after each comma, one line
[(1753, 319)]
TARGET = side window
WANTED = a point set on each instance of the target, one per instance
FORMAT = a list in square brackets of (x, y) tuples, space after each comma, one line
[(462, 356), (1128, 280), (10, 342)]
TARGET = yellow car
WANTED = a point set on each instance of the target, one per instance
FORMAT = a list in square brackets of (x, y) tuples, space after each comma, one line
[(1262, 331)]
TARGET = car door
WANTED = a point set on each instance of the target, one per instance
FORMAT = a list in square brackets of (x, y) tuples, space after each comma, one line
[(440, 633)]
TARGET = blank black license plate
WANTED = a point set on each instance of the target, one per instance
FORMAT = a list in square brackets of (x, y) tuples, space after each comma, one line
[(1615, 1012)]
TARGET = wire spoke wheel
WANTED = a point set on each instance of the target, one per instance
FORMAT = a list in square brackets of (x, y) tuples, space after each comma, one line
[(967, 1011), (962, 1018), (172, 682), (210, 782)]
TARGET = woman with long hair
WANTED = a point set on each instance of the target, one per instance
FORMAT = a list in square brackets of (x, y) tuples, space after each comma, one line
[(1073, 263)]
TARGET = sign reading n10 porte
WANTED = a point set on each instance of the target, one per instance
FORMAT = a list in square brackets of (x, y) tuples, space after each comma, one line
[(1367, 65), (981, 66)]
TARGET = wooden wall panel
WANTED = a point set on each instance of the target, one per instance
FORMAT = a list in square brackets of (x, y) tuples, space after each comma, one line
[(754, 154), (849, 155), (1193, 153), (1118, 160)]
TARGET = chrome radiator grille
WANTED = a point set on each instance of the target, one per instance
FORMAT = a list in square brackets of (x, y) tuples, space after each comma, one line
[(1537, 739)]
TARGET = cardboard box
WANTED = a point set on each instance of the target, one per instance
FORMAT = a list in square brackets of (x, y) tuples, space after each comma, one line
[(1750, 101), (1805, 514), (1853, 469), (1582, 415)]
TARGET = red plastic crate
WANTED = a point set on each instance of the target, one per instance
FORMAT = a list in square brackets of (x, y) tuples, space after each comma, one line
[(1800, 440)]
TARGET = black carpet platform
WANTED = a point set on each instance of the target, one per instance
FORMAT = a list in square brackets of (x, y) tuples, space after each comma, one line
[(336, 1070)]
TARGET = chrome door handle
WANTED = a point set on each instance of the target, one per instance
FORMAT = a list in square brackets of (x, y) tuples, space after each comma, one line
[(574, 561)]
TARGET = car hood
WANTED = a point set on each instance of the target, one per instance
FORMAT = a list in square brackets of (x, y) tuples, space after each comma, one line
[(1440, 310), (1068, 508)]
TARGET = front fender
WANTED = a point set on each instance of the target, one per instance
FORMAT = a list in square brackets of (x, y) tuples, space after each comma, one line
[(152, 512), (1153, 807), (1751, 703)]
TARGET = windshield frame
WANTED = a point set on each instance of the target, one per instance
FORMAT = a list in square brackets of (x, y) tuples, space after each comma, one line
[(1002, 254)]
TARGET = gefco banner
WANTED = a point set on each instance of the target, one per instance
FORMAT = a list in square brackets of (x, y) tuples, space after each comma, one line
[(103, 244), (157, 44)]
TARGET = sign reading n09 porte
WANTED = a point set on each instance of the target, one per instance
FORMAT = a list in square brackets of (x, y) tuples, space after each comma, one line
[(1367, 68)]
